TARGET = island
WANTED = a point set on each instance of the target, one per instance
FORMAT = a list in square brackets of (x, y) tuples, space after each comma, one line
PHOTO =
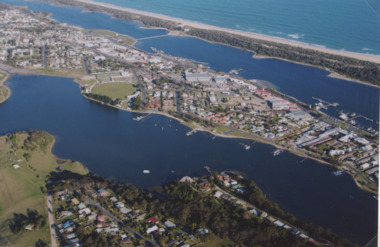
[(111, 71)]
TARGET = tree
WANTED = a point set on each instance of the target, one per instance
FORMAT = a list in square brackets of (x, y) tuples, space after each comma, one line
[(40, 243)]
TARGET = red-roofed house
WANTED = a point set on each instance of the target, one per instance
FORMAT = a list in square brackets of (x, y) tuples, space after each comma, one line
[(152, 220)]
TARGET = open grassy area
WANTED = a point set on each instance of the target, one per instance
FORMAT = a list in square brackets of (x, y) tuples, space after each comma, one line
[(4, 91), (124, 38), (63, 73), (221, 129), (20, 188), (114, 90), (217, 242)]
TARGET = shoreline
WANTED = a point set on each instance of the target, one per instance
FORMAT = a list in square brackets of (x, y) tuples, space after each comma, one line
[(299, 153), (259, 139), (188, 23), (331, 74)]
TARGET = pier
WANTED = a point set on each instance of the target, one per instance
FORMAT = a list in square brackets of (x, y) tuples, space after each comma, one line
[(326, 104)]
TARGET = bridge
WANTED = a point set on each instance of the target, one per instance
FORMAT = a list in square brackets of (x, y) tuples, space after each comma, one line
[(152, 37)]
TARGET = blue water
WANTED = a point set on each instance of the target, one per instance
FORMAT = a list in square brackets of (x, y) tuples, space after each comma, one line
[(111, 144), (352, 25), (300, 81)]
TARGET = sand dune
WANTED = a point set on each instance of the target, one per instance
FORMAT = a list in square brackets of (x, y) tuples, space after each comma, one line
[(182, 22)]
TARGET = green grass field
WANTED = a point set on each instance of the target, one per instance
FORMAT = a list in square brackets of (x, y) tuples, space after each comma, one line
[(114, 90), (20, 189), (4, 92), (125, 38), (217, 242)]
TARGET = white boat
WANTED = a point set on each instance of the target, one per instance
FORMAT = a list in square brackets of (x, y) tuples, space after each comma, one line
[(146, 171), (343, 116), (338, 173), (277, 152), (247, 147)]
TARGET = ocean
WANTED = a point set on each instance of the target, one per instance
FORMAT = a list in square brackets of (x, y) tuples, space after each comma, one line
[(351, 25)]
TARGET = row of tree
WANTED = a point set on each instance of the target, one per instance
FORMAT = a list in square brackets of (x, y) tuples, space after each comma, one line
[(103, 98)]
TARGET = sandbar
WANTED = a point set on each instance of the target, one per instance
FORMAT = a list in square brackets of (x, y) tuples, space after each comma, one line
[(183, 22)]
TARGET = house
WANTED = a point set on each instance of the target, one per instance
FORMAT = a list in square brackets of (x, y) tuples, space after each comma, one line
[(85, 211), (125, 240), (70, 236), (152, 220), (151, 229), (103, 192), (75, 201), (218, 194), (67, 224), (125, 210), (100, 218), (278, 223), (81, 206), (202, 231), (119, 204), (169, 224)]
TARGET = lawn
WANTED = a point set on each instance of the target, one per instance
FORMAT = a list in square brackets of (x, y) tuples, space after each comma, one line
[(124, 38), (114, 90), (3, 90), (20, 188), (217, 242)]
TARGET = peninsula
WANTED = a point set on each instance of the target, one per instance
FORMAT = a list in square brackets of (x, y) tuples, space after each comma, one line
[(46, 201), (113, 72), (357, 66)]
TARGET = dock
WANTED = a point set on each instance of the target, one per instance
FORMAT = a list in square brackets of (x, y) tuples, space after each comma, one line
[(140, 118), (191, 132), (326, 104)]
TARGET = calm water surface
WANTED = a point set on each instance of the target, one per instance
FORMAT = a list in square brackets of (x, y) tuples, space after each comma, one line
[(110, 143)]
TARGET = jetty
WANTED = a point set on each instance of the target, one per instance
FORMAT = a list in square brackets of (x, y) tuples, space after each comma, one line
[(325, 103), (141, 117), (191, 132)]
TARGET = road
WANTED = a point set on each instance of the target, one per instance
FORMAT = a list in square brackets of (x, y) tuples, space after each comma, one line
[(51, 222), (106, 212), (44, 54), (143, 93)]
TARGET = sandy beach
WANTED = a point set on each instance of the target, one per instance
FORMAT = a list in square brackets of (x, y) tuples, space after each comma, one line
[(182, 22)]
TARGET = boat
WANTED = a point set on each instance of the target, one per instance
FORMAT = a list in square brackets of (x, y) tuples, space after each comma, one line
[(247, 147), (277, 152), (138, 118), (343, 116), (146, 171), (337, 173)]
